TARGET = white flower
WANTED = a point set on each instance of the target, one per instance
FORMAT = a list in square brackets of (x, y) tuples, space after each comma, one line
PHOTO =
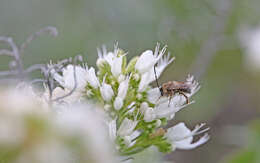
[(116, 66), (68, 76), (149, 76), (127, 127), (67, 79), (250, 39), (122, 89), (149, 115), (118, 103), (106, 91), (181, 137), (143, 107), (85, 121), (112, 59), (148, 59), (92, 78)]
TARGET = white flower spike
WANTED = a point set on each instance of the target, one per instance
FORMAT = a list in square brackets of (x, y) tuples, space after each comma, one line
[(128, 98), (133, 116)]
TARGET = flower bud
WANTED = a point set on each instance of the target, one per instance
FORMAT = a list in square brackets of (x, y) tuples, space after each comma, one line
[(122, 89), (92, 78), (106, 91), (116, 67), (149, 115), (118, 103)]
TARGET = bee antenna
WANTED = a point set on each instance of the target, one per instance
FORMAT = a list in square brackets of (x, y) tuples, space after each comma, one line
[(156, 77)]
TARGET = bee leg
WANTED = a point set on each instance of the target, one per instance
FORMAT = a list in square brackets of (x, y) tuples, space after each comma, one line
[(158, 99), (187, 99)]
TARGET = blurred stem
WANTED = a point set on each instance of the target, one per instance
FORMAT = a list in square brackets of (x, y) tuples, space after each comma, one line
[(209, 49)]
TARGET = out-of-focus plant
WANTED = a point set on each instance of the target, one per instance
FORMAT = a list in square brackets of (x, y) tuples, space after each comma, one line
[(250, 39), (30, 133), (135, 113), (251, 153)]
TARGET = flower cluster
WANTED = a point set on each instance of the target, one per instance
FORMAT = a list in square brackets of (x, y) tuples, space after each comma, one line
[(136, 112), (31, 134)]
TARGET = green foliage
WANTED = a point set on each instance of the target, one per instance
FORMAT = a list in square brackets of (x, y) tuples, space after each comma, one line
[(252, 153)]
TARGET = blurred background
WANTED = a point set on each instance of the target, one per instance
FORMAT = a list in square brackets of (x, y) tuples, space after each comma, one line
[(218, 41)]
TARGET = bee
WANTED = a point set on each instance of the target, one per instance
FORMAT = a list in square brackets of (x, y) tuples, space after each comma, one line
[(172, 88)]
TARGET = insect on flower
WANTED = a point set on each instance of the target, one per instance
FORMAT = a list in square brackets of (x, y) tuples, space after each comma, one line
[(171, 88)]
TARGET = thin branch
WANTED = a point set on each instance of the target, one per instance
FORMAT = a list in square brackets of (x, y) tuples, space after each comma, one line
[(15, 53), (49, 30), (7, 73), (35, 67)]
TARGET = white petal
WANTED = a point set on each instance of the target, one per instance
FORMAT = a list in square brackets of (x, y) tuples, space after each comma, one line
[(185, 145), (135, 134), (166, 112), (178, 132), (149, 76), (181, 137), (145, 62), (109, 58), (153, 95), (176, 104), (146, 78), (68, 77)]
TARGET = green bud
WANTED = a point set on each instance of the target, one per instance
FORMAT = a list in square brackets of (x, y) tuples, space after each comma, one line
[(131, 65)]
